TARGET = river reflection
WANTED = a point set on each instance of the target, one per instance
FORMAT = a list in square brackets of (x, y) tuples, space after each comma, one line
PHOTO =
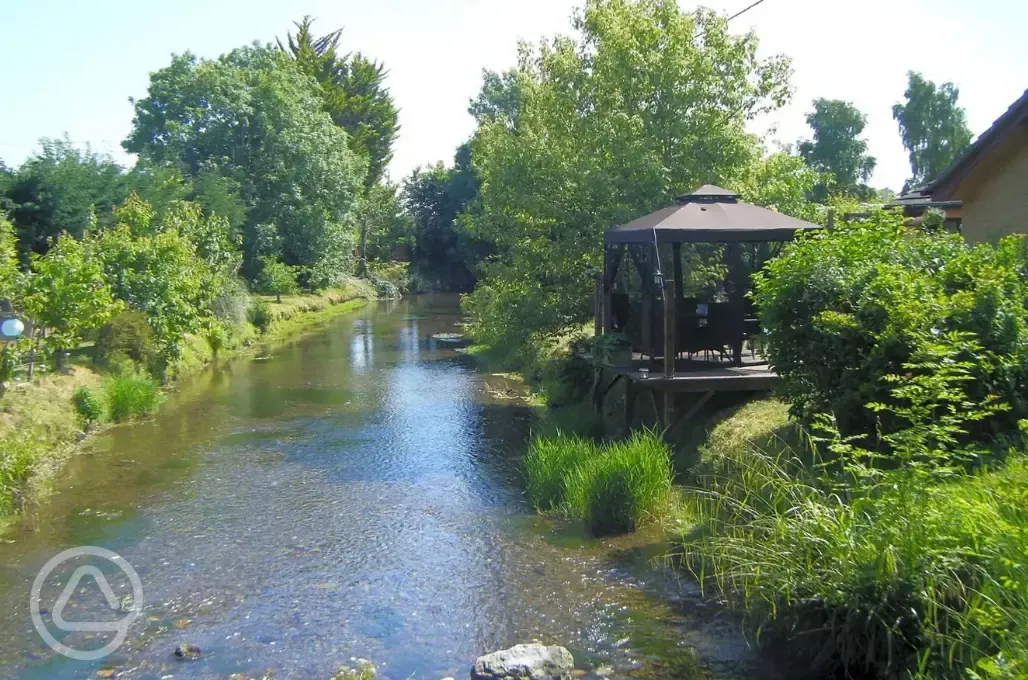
[(351, 494)]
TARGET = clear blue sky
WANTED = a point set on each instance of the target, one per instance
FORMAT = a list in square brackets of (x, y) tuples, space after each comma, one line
[(69, 66)]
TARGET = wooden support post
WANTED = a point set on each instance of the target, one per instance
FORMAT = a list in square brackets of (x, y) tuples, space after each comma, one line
[(669, 410), (647, 326), (629, 405), (598, 307), (670, 348)]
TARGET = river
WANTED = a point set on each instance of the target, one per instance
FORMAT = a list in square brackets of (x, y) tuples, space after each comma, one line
[(353, 493)]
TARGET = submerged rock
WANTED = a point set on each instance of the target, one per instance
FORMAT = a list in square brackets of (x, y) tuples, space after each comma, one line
[(185, 650), (525, 662)]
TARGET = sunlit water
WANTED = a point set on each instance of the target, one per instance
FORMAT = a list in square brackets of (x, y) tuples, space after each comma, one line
[(352, 494)]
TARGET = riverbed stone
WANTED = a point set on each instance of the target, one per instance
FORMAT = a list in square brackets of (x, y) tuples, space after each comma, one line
[(525, 662), (186, 650)]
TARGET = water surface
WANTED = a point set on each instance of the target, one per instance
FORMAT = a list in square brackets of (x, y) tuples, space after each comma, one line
[(351, 494)]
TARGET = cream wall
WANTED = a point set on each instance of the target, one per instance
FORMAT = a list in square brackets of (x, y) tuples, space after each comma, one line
[(995, 196)]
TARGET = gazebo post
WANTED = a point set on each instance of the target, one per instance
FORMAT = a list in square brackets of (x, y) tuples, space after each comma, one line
[(670, 348), (736, 274), (611, 262)]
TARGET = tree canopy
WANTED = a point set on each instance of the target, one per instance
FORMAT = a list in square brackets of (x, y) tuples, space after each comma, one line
[(837, 148), (647, 102), (933, 127), (353, 90), (254, 119)]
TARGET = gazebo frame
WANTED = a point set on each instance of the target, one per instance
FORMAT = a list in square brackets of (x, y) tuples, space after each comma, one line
[(709, 215)]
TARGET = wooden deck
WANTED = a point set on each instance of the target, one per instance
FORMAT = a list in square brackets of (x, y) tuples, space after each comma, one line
[(683, 394)]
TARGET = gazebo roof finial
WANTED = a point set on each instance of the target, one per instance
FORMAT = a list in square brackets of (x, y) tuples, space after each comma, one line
[(709, 193)]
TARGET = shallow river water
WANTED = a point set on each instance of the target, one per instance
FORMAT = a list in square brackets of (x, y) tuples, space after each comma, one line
[(351, 494)]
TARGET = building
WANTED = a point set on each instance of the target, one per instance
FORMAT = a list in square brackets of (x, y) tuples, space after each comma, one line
[(990, 180)]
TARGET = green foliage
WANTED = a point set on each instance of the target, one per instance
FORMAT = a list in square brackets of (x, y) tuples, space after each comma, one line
[(914, 575), (354, 94), (11, 279), (88, 405), (933, 127), (67, 294), (646, 103), (156, 269), (62, 189), (128, 335), (613, 488), (623, 485), (132, 395), (546, 468), (446, 257), (257, 122), (845, 309), (387, 228), (838, 149), (260, 315), (276, 278)]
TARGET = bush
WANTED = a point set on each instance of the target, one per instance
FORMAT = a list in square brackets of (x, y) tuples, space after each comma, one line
[(129, 396), (128, 334), (276, 278), (847, 308), (89, 406), (230, 307), (612, 487), (260, 315)]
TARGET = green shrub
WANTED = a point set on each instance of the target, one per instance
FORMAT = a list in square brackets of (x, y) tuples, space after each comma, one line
[(276, 278), (129, 396), (260, 315), (547, 465), (89, 406), (126, 335), (623, 486), (844, 309)]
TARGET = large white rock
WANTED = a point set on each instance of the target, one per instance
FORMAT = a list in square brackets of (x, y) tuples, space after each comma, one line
[(525, 662)]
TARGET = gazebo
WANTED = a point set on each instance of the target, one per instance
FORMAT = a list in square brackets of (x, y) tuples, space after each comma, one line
[(669, 326)]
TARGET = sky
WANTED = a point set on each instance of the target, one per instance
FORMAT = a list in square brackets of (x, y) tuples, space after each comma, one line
[(69, 66)]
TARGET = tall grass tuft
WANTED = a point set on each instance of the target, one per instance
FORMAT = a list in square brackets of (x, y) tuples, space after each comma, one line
[(899, 580), (129, 396), (612, 487), (546, 468), (625, 485)]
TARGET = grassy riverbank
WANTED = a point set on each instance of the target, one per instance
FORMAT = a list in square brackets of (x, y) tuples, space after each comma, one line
[(39, 425)]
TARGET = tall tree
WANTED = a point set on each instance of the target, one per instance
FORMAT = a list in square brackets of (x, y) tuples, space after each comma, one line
[(252, 118), (837, 148), (62, 188), (446, 257), (933, 127), (354, 93), (646, 103)]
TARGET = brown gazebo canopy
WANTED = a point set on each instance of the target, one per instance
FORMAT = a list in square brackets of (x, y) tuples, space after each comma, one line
[(708, 215)]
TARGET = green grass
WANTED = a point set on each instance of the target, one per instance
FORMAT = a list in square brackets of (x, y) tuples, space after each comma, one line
[(612, 488), (905, 582), (131, 396)]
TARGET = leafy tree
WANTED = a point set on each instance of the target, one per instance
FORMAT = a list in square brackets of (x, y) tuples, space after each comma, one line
[(67, 294), (155, 268), (276, 278), (257, 121), (354, 93), (10, 271), (445, 255), (389, 225), (500, 99), (933, 127), (838, 149), (646, 103), (62, 189)]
